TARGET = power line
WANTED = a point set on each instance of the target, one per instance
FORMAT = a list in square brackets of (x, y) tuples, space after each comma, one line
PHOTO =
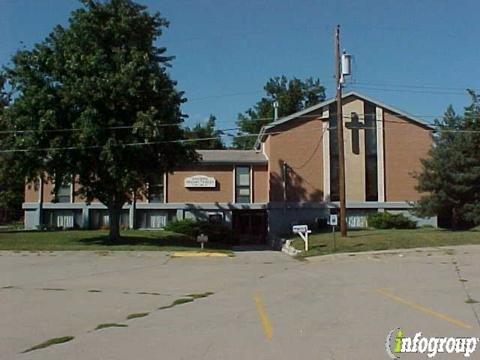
[(414, 91), (142, 143), (145, 143), (78, 129), (415, 86), (305, 163), (224, 95), (126, 127)]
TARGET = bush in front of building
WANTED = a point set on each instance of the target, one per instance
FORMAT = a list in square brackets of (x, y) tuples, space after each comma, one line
[(217, 233), (386, 220)]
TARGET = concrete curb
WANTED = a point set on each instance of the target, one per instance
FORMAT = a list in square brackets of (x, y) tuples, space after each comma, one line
[(389, 252)]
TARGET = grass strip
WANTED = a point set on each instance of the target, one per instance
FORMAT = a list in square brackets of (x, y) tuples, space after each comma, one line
[(54, 341), (177, 302), (109, 325), (137, 315), (201, 295)]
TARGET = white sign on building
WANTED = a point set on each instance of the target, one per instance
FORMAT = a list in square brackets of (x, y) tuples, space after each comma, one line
[(200, 181)]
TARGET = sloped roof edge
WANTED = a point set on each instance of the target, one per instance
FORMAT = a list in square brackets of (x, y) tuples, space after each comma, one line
[(231, 157), (331, 100)]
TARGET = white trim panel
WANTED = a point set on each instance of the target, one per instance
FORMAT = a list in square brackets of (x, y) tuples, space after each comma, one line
[(326, 161), (380, 155)]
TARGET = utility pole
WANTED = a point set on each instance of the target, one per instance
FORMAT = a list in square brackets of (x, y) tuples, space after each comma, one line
[(341, 147)]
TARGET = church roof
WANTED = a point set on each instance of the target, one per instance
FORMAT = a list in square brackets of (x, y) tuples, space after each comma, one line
[(218, 157), (320, 105)]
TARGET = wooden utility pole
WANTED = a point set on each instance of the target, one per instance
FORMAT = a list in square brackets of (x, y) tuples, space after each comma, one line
[(341, 146)]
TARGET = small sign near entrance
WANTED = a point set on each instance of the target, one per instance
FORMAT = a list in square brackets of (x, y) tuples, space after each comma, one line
[(200, 181), (202, 239), (333, 220), (303, 231)]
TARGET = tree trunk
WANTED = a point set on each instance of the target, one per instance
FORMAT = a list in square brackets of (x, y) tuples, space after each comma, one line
[(114, 220), (454, 219)]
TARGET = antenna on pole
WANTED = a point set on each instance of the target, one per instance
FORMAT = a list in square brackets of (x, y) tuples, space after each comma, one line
[(346, 66)]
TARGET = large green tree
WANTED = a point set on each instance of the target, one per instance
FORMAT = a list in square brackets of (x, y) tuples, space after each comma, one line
[(208, 132), (11, 185), (292, 95), (104, 78), (451, 174)]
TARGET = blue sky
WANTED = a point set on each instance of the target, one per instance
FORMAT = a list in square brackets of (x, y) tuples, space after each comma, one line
[(415, 55)]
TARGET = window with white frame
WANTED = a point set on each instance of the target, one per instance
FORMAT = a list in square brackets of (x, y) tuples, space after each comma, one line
[(242, 184), (64, 193), (156, 191)]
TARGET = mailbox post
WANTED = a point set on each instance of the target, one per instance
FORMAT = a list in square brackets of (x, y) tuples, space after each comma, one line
[(333, 220), (303, 231), (202, 239)]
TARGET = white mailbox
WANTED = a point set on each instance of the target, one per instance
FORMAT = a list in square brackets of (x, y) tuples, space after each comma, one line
[(299, 229), (303, 231)]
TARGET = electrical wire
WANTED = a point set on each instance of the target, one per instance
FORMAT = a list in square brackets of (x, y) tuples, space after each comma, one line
[(181, 141), (126, 127), (414, 86), (305, 163)]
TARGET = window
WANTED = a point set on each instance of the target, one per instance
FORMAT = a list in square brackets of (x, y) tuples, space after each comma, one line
[(334, 162), (215, 218), (64, 193), (371, 168), (156, 191), (242, 184)]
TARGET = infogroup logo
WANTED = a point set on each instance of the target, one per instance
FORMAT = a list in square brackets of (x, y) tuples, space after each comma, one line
[(397, 343)]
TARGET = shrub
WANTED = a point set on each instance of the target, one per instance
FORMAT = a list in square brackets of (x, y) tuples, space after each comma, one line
[(386, 220), (216, 232), (187, 227)]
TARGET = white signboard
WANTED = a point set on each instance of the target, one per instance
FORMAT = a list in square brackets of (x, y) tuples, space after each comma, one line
[(202, 239), (333, 220), (357, 222), (200, 181)]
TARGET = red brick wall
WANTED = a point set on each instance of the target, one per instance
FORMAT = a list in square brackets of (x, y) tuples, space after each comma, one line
[(405, 144)]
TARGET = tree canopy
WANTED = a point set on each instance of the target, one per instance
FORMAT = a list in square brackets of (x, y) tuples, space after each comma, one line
[(451, 173), (98, 103), (207, 131), (292, 95), (11, 185)]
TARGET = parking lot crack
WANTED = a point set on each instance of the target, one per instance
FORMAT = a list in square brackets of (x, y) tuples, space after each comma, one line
[(469, 299)]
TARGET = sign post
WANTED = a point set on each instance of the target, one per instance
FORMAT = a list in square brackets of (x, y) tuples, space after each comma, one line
[(202, 239), (303, 231), (333, 220)]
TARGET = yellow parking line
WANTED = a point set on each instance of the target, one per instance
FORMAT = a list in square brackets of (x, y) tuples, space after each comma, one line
[(262, 314), (424, 309), (178, 254)]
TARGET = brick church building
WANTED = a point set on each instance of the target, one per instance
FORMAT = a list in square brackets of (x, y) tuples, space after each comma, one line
[(290, 177)]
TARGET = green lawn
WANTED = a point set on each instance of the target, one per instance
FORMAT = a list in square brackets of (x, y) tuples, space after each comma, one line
[(365, 240), (97, 240)]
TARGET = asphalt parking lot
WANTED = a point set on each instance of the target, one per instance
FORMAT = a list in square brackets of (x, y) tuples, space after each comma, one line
[(256, 305)]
